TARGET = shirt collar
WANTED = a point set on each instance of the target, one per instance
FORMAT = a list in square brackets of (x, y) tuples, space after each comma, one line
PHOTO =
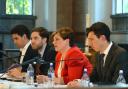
[(107, 49), (41, 51), (26, 46)]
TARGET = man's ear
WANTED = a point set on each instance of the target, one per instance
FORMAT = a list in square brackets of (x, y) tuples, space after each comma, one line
[(45, 40), (102, 37), (24, 36), (68, 40)]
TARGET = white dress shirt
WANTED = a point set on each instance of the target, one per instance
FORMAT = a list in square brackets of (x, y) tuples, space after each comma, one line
[(23, 51), (41, 51), (106, 52), (60, 67)]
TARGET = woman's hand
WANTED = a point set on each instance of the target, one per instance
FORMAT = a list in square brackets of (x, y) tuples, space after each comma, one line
[(41, 78), (74, 83)]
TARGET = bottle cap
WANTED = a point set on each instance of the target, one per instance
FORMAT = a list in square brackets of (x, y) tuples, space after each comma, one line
[(34, 62), (85, 69), (121, 71), (51, 64)]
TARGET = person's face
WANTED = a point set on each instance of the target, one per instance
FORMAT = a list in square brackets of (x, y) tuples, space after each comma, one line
[(18, 40), (94, 41), (36, 41), (59, 43)]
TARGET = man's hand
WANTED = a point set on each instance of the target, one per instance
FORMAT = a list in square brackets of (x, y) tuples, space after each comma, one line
[(41, 78), (15, 72)]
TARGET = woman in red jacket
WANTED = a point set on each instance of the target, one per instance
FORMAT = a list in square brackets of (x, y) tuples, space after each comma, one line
[(70, 61)]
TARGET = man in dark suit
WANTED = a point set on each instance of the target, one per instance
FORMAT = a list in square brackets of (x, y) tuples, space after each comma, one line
[(39, 41), (115, 58), (110, 57), (21, 37)]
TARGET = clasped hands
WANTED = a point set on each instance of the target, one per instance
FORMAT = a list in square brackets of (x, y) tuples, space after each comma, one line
[(15, 73), (43, 78)]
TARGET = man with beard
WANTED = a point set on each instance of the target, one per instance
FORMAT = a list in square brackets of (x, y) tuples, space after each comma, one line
[(39, 41)]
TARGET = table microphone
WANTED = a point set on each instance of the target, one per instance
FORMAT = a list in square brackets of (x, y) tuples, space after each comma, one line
[(31, 61), (42, 61)]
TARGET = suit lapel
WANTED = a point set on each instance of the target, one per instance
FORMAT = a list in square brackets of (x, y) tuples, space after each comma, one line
[(27, 52), (45, 52), (98, 65), (108, 60)]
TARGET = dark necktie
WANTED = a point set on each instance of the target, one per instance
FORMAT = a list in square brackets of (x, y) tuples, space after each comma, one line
[(101, 56)]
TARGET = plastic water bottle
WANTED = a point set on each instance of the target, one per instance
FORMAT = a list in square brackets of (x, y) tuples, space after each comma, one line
[(50, 76), (51, 71), (85, 81), (121, 80), (30, 75)]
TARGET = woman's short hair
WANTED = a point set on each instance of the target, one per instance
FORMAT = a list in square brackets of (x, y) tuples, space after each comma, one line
[(66, 33)]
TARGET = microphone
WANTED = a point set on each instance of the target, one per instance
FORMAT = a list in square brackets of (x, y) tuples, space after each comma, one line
[(42, 61), (37, 60), (34, 59), (14, 66)]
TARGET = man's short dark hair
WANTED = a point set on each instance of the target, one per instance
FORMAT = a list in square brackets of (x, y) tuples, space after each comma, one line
[(21, 30), (99, 29), (43, 32)]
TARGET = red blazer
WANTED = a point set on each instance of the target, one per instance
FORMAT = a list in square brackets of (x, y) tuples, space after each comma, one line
[(75, 62)]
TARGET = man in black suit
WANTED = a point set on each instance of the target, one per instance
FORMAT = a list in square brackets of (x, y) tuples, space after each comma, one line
[(21, 37), (110, 57), (39, 41), (115, 58)]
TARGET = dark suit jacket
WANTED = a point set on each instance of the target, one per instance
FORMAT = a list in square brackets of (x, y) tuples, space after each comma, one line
[(30, 53), (49, 56), (116, 59)]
